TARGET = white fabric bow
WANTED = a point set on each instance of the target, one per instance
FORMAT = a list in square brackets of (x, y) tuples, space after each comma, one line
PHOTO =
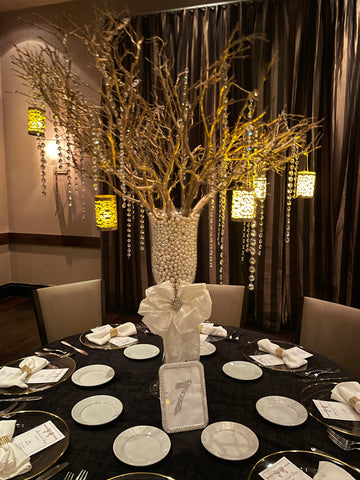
[(176, 318), (330, 471), (100, 338), (290, 359), (27, 366), (347, 392), (13, 461)]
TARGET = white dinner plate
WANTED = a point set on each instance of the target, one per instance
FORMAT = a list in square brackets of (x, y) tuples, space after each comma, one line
[(230, 440), (242, 370), (281, 410), (141, 351), (93, 375), (206, 348), (141, 445), (97, 410)]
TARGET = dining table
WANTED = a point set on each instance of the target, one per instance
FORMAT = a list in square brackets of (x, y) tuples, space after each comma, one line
[(229, 399)]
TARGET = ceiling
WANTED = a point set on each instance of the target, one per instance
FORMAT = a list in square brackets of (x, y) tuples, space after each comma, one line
[(9, 5)]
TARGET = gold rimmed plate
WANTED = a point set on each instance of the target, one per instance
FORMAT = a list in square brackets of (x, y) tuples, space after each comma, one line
[(41, 461), (55, 361), (251, 349), (322, 391), (306, 461), (142, 476), (107, 345)]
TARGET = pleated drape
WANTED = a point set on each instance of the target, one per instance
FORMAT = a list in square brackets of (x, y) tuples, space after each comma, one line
[(317, 75)]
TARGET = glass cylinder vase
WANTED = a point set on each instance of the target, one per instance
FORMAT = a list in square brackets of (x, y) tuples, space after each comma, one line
[(173, 240)]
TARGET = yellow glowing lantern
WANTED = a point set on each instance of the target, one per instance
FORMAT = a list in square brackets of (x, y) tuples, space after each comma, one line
[(260, 188), (106, 212), (243, 205), (36, 121), (305, 184)]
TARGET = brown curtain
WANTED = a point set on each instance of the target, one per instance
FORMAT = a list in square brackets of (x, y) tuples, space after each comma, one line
[(317, 74)]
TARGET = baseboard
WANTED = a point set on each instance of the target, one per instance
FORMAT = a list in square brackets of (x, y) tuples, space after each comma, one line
[(18, 289)]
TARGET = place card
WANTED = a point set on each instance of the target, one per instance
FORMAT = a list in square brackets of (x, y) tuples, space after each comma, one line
[(38, 438), (183, 396), (336, 410), (283, 469), (123, 341), (268, 359), (48, 375)]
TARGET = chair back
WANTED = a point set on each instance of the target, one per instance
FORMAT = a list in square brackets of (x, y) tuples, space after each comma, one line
[(64, 310), (333, 330), (227, 304)]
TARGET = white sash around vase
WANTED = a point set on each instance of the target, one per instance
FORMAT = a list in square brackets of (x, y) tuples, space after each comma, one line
[(176, 318)]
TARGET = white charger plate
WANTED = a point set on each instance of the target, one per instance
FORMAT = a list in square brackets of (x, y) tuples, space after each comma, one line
[(229, 440), (141, 445), (97, 410), (242, 370), (281, 410), (141, 351), (206, 348), (93, 375)]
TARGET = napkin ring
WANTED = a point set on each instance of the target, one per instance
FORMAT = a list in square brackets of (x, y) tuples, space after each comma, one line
[(113, 332), (5, 439), (279, 352), (26, 369), (353, 401)]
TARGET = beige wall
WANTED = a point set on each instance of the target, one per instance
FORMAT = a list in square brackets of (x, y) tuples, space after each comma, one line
[(22, 207)]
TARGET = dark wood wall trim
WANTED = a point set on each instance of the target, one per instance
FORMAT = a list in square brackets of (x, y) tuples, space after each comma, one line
[(4, 238), (52, 240), (18, 289)]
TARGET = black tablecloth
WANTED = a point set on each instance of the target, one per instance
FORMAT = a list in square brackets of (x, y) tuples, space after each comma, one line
[(228, 400)]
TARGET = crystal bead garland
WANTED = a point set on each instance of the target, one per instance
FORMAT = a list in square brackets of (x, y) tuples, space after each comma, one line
[(211, 231), (129, 216), (68, 165), (40, 143), (142, 228), (58, 143), (173, 239), (82, 177)]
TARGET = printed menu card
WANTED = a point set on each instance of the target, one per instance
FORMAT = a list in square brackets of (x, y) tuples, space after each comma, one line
[(38, 438), (336, 410), (283, 469)]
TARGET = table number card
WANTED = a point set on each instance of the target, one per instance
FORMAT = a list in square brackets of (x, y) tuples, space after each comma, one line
[(183, 396), (283, 469)]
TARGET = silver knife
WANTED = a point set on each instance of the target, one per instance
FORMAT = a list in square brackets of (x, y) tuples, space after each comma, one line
[(20, 399), (75, 348), (52, 471)]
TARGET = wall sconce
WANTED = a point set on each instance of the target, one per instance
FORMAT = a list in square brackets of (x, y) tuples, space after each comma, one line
[(243, 205), (36, 121), (106, 212)]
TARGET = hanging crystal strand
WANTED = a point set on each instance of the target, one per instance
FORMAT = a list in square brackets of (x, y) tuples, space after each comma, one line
[(211, 230), (243, 243), (142, 228), (82, 177), (221, 231), (40, 141), (252, 259), (58, 143), (129, 228), (247, 240), (261, 228), (68, 165)]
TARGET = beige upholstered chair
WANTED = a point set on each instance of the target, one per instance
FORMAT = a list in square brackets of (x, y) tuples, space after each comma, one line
[(333, 330), (227, 304), (64, 310)]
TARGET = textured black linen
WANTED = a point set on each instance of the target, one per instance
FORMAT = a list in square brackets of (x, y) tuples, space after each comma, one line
[(228, 399)]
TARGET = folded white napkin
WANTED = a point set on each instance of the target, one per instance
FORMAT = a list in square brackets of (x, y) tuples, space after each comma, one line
[(209, 329), (176, 317), (13, 461), (290, 359), (27, 366), (330, 471), (347, 392), (100, 338)]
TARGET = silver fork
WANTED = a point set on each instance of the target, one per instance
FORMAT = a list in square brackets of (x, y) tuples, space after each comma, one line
[(82, 475), (342, 442), (69, 476), (316, 373)]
